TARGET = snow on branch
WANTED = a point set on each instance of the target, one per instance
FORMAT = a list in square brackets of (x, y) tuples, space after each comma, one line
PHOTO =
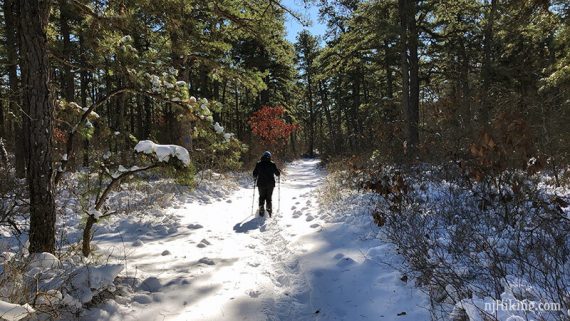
[(164, 152)]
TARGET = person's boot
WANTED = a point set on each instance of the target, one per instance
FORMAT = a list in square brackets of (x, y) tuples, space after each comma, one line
[(269, 211), (261, 211)]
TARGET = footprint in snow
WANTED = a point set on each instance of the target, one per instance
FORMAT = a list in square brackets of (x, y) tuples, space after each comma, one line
[(195, 226), (253, 264), (165, 253), (157, 297), (151, 284), (206, 261), (254, 294), (345, 262), (203, 243), (293, 207), (228, 201), (304, 208), (315, 225), (177, 281), (297, 203), (310, 218), (138, 243), (142, 299)]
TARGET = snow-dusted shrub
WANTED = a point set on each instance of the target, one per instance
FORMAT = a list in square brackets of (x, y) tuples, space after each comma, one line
[(471, 241), (42, 284), (110, 177), (13, 204), (216, 149), (3, 154)]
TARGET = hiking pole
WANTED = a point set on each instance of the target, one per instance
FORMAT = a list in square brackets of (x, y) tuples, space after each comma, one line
[(253, 199), (279, 194)]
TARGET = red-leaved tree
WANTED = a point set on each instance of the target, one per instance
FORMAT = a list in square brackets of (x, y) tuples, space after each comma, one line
[(268, 124)]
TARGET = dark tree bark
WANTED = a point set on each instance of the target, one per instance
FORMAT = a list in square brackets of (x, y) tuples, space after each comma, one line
[(34, 16)]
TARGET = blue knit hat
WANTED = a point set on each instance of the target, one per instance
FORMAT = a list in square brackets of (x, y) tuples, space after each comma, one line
[(266, 154)]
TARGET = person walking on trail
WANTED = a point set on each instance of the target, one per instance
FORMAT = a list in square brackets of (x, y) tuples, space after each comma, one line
[(264, 173)]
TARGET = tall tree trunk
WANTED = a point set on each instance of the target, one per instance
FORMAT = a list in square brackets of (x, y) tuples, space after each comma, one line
[(11, 10), (410, 70), (338, 103), (388, 70), (414, 103), (325, 101), (181, 132), (68, 82), (84, 88), (2, 118), (465, 86), (34, 16), (403, 12), (311, 137), (147, 117), (236, 110), (485, 108)]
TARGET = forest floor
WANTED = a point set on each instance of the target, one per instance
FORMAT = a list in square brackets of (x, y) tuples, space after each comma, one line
[(211, 259)]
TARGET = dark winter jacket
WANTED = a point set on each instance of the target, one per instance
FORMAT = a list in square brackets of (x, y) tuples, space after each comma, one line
[(264, 171)]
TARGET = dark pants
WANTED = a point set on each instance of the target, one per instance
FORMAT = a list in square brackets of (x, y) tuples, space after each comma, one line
[(265, 193)]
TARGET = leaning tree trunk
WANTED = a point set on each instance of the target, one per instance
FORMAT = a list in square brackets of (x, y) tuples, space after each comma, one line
[(34, 16)]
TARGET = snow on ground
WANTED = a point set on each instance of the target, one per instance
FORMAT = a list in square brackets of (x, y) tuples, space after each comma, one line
[(213, 260)]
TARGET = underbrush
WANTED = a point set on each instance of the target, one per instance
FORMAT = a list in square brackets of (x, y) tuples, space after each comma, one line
[(64, 285), (491, 248)]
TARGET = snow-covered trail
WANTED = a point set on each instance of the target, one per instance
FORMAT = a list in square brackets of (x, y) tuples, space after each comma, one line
[(221, 263)]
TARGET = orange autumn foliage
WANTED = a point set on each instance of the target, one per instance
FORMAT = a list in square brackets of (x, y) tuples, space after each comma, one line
[(268, 124)]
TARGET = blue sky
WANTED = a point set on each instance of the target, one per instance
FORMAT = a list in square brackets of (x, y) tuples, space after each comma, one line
[(310, 12)]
